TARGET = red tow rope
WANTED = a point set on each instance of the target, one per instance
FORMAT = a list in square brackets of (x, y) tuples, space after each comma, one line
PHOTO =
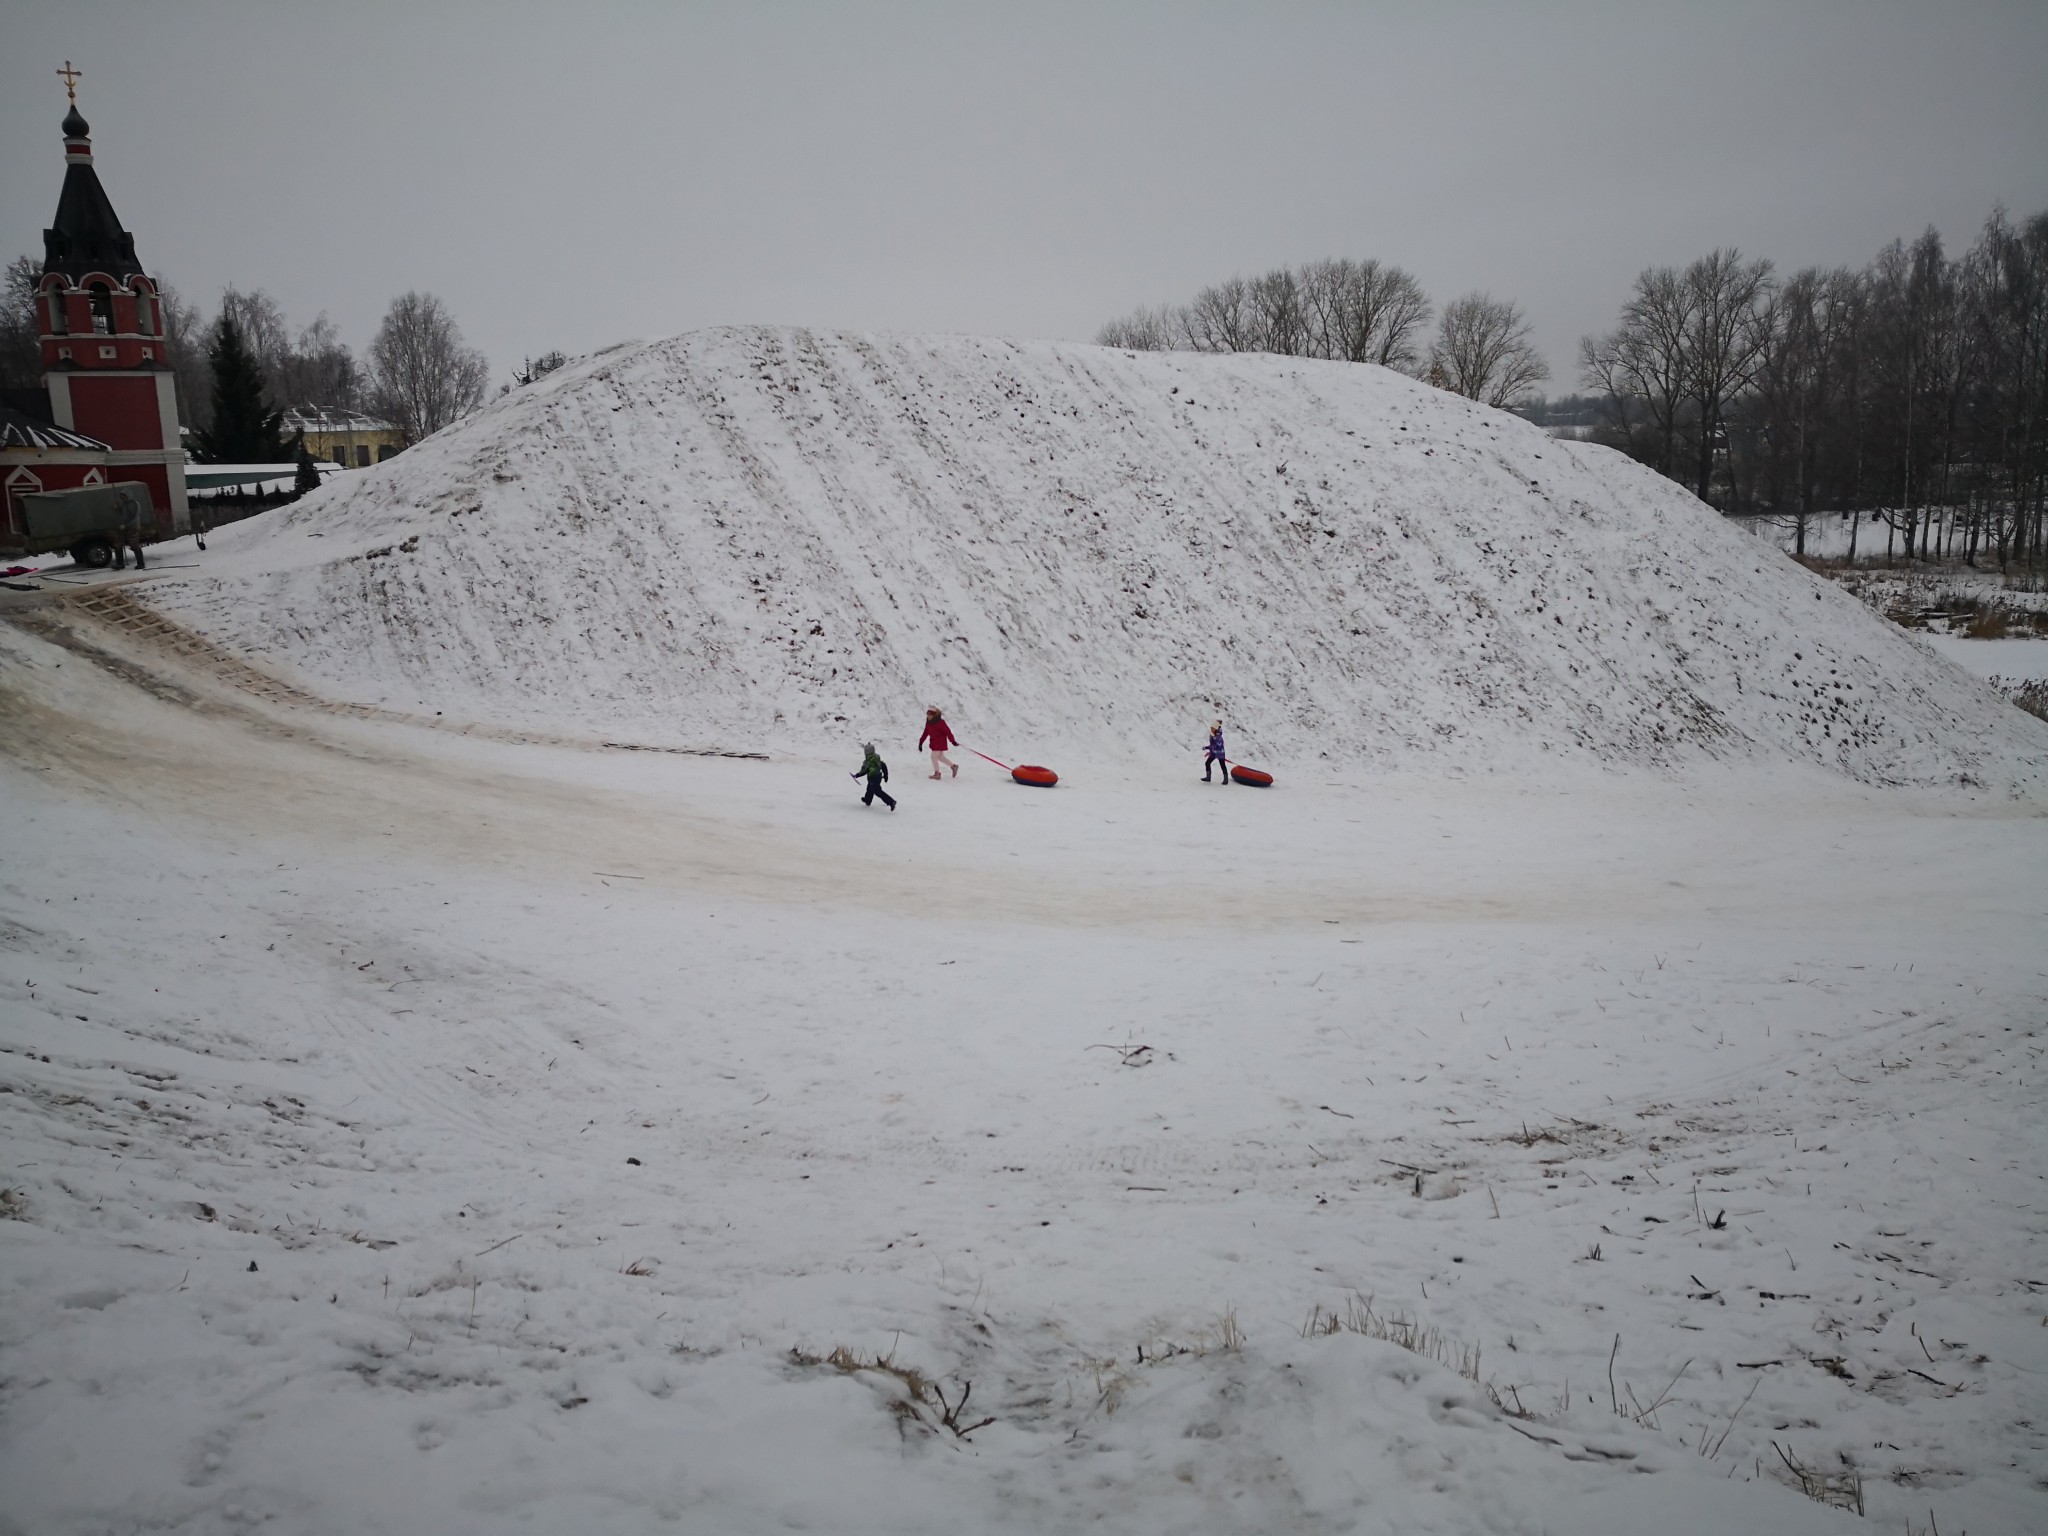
[(1024, 773)]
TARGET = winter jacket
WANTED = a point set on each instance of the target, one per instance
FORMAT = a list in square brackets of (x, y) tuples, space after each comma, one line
[(1216, 744), (872, 767), (939, 734)]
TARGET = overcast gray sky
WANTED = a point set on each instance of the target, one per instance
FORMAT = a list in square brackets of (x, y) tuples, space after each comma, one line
[(567, 175)]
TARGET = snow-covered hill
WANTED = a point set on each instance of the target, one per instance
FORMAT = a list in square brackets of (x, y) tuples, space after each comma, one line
[(785, 539)]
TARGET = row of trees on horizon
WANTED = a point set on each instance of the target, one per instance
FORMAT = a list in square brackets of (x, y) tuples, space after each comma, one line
[(240, 368), (1913, 390), (1350, 312)]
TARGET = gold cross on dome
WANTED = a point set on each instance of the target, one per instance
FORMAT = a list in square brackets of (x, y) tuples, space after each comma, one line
[(71, 77)]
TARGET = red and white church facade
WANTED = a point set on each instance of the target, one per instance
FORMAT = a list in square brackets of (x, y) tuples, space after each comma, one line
[(108, 409)]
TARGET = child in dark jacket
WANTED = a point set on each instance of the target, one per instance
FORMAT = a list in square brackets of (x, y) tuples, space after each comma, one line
[(876, 772), (1213, 757)]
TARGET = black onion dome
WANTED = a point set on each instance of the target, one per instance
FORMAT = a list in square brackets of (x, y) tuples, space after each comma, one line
[(86, 236)]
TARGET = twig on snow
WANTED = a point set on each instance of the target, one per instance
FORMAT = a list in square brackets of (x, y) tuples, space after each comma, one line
[(1716, 1451)]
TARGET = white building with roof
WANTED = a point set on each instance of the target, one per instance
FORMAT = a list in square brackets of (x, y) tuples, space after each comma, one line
[(352, 439)]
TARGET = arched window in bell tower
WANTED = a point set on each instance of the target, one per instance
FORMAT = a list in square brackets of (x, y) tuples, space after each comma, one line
[(60, 318), (102, 309), (145, 310)]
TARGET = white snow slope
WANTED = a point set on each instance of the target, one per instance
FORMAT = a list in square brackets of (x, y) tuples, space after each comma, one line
[(783, 539)]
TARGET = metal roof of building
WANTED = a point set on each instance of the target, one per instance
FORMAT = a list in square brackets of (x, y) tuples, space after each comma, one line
[(321, 418), (18, 429)]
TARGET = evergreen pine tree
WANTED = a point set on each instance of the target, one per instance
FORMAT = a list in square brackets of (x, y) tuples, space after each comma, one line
[(309, 474), (245, 429)]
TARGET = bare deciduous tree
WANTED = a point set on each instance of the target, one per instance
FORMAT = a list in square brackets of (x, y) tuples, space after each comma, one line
[(1279, 323), (1146, 330), (1912, 392), (1688, 344), (21, 361), (1795, 385), (2006, 389), (1727, 327), (184, 339), (319, 369), (1641, 367), (1484, 353), (1364, 312), (425, 376), (1346, 311), (1223, 318), (262, 327)]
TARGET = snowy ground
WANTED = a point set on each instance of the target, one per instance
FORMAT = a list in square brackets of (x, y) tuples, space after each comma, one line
[(2015, 660), (410, 1130), (1828, 537), (412, 1133)]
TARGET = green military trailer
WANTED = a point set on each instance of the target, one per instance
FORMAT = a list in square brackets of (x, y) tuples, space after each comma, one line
[(86, 521)]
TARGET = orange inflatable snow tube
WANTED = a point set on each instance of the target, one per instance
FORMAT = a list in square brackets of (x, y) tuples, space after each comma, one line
[(1254, 776), (1032, 774)]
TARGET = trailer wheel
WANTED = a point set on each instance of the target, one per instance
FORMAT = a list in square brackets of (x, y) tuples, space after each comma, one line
[(95, 553)]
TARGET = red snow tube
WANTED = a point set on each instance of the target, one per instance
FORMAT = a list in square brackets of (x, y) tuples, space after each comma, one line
[(1031, 773), (1254, 776)]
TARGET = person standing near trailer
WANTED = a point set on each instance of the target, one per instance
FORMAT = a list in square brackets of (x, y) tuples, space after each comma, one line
[(127, 529), (1214, 757), (876, 772), (941, 737)]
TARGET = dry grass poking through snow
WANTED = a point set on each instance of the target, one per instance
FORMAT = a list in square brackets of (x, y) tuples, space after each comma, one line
[(1837, 1490), (2030, 694), (1841, 1489), (1417, 1338), (923, 1401), (1114, 1377)]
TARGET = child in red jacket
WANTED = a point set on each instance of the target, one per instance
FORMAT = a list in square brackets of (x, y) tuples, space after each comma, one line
[(941, 736)]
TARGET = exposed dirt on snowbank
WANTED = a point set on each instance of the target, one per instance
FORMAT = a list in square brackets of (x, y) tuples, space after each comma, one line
[(788, 539)]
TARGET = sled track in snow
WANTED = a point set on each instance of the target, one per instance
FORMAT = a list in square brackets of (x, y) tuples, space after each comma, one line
[(275, 770), (119, 610), (153, 692)]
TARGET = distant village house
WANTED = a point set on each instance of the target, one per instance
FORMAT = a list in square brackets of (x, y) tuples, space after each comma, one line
[(348, 438)]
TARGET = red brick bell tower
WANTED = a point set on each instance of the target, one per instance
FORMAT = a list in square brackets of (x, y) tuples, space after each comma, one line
[(102, 330)]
